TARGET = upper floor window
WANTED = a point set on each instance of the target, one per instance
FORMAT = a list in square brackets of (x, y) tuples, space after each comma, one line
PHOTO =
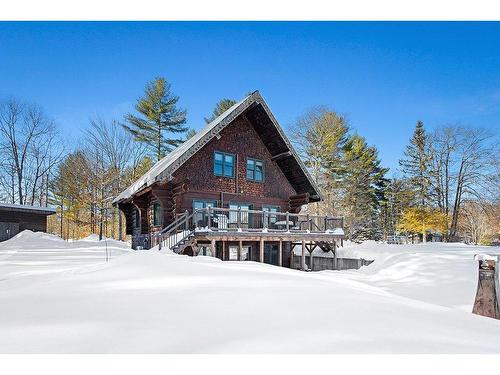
[(157, 214), (223, 164), (255, 170)]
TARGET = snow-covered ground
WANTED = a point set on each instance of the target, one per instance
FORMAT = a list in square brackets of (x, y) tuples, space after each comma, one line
[(60, 297)]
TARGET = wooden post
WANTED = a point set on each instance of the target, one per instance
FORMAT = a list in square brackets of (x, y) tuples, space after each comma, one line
[(487, 302), (280, 253), (287, 221), (212, 244), (311, 259), (261, 251), (223, 248), (303, 256), (209, 217), (334, 254), (240, 248)]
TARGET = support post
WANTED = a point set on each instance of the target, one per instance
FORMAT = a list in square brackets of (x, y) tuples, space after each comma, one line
[(212, 245), (303, 256), (311, 259), (334, 254), (223, 248), (261, 251), (287, 221), (240, 247), (280, 253)]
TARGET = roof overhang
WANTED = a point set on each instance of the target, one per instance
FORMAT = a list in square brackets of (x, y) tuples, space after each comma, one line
[(27, 209)]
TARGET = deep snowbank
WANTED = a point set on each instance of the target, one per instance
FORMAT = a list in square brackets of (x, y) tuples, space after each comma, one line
[(149, 302)]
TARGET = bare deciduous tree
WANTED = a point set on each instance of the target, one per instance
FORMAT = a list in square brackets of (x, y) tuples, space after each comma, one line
[(29, 149)]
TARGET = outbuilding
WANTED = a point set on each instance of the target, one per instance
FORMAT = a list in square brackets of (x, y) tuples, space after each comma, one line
[(15, 218)]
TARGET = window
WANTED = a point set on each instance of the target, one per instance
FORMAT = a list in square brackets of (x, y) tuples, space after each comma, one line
[(201, 218), (137, 218), (223, 164), (255, 170), (157, 214), (245, 252)]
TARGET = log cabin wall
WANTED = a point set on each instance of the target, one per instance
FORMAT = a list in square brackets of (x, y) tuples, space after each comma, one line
[(240, 139)]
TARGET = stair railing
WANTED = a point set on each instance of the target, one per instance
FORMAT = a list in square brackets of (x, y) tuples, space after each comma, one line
[(169, 236)]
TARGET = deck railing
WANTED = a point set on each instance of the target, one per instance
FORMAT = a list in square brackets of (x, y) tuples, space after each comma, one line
[(227, 219)]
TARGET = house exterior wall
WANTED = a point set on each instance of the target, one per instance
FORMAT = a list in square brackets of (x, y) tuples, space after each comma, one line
[(13, 222), (240, 139)]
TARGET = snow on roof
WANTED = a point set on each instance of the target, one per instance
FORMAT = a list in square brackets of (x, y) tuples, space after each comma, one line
[(23, 207), (155, 173)]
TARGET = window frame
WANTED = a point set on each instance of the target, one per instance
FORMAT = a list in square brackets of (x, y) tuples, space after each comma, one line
[(224, 155), (154, 204), (255, 161)]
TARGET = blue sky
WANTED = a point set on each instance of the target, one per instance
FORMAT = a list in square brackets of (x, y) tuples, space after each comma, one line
[(383, 75)]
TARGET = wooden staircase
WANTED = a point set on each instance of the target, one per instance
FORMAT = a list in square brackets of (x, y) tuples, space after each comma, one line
[(176, 236)]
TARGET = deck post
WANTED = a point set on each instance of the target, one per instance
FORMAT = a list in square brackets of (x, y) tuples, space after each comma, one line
[(261, 251), (212, 245), (223, 248), (334, 254), (311, 259), (303, 256), (287, 221), (280, 253), (240, 247), (209, 217)]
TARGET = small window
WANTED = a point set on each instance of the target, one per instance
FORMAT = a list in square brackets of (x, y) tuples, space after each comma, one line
[(223, 164), (255, 170), (157, 214), (137, 218)]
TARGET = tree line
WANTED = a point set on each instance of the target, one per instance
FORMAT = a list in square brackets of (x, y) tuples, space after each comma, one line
[(449, 183), (449, 186)]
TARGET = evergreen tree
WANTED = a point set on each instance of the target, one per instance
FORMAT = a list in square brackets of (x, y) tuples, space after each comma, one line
[(190, 134), (158, 114), (416, 165), (222, 106), (363, 185)]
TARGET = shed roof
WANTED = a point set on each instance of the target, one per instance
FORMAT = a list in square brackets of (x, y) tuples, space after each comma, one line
[(26, 208), (258, 113)]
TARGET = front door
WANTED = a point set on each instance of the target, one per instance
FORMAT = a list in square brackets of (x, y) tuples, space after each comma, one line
[(244, 216)]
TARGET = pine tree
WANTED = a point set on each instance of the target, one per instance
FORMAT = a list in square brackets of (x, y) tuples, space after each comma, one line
[(190, 134), (157, 114), (363, 185), (222, 106), (416, 165)]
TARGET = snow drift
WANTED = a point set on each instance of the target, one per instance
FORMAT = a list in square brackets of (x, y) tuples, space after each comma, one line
[(412, 299)]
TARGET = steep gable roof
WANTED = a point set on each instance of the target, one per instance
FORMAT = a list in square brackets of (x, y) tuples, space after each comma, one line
[(258, 113)]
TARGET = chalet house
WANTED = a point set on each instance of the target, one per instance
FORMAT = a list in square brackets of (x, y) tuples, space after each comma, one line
[(234, 191), (15, 218)]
